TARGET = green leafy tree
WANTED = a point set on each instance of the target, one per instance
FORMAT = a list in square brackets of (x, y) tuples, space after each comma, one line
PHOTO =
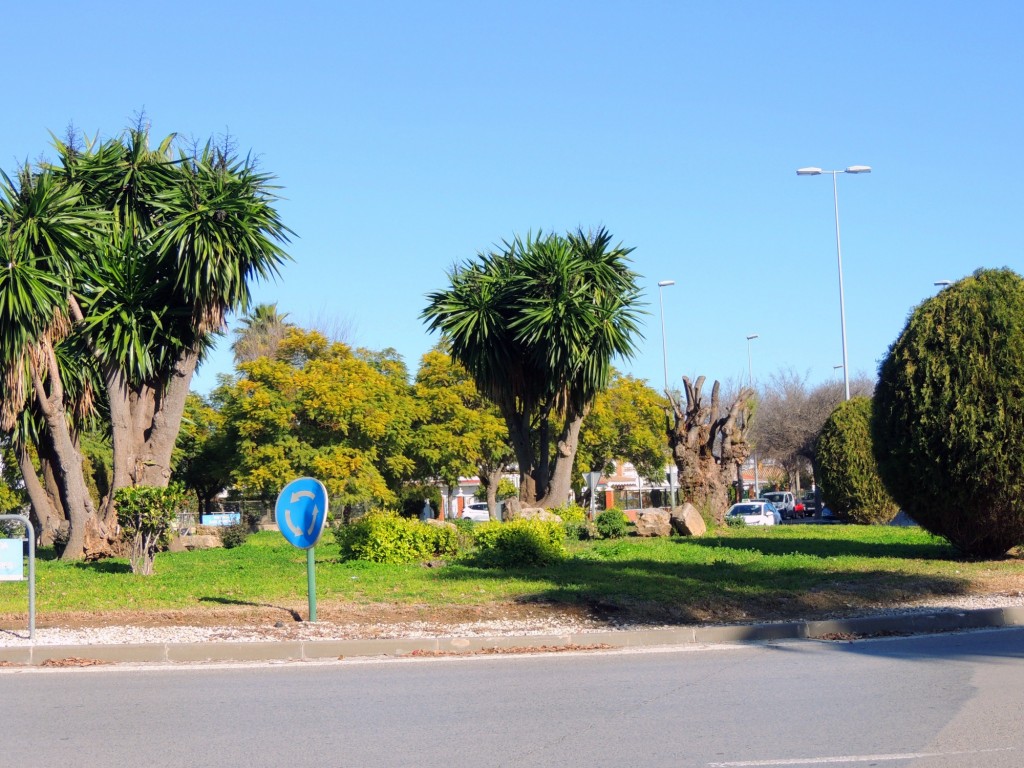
[(323, 410), (205, 455), (846, 467), (537, 324), (458, 432), (626, 422), (948, 422)]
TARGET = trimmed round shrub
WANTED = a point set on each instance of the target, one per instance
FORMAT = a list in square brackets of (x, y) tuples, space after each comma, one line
[(520, 543), (948, 424), (384, 537), (846, 466), (612, 523)]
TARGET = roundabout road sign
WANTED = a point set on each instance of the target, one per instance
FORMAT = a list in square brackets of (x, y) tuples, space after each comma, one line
[(301, 511)]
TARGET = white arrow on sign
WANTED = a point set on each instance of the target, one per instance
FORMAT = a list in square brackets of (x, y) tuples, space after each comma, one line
[(288, 513)]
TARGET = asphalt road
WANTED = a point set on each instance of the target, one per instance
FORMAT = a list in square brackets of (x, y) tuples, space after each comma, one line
[(944, 700)]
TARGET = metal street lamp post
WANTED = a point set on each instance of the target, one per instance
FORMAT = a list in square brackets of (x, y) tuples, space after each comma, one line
[(811, 171), (750, 378), (664, 345)]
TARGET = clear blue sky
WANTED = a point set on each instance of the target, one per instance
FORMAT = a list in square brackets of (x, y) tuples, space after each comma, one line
[(410, 136)]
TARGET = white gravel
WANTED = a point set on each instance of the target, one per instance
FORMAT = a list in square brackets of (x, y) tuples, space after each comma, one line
[(14, 636)]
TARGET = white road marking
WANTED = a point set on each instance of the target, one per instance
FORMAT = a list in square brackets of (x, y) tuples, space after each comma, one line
[(850, 758)]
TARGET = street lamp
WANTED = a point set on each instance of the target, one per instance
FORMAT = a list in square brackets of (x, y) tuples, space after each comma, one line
[(839, 252), (836, 367), (750, 378), (943, 283), (664, 346)]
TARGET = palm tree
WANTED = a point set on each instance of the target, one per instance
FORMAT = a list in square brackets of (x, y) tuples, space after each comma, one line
[(537, 325), (262, 330), (139, 253)]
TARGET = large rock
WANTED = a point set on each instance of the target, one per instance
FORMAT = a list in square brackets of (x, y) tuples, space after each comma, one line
[(686, 521), (189, 543), (653, 522)]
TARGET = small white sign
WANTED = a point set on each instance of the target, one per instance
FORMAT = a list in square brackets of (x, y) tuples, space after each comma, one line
[(12, 560)]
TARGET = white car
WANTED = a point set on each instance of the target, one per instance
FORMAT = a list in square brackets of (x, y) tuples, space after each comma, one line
[(756, 513), (477, 511)]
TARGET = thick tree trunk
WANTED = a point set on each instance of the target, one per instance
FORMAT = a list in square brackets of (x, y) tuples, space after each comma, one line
[(693, 435), (46, 518), (70, 477), (560, 482), (168, 406)]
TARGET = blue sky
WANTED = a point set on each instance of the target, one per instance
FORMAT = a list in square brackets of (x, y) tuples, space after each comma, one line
[(410, 136)]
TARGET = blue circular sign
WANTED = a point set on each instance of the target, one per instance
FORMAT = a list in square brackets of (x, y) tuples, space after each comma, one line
[(301, 511)]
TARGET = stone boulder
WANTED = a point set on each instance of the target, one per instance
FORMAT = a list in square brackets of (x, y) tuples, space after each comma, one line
[(441, 523), (653, 522), (686, 521), (190, 543)]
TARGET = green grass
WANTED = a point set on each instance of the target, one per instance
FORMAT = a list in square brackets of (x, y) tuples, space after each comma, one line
[(731, 574)]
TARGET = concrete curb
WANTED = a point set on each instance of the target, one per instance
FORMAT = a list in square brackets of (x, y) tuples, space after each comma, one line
[(306, 650)]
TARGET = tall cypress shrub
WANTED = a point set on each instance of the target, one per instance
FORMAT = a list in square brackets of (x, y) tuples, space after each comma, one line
[(948, 422), (846, 468)]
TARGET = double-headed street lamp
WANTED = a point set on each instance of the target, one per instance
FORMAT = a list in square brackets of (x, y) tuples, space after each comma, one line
[(664, 345), (839, 252)]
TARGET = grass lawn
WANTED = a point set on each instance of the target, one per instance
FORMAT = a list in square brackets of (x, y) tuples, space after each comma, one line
[(732, 574)]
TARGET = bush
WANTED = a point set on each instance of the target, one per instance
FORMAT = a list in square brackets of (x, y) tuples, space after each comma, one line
[(520, 543), (384, 537), (232, 536), (735, 521), (570, 513), (948, 422), (612, 523), (846, 466), (145, 514)]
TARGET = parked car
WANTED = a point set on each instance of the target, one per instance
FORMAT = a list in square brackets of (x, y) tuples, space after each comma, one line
[(757, 512), (783, 501), (477, 511), (810, 503)]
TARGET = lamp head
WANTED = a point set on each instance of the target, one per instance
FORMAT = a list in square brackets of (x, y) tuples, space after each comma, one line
[(812, 171), (665, 283), (753, 336), (858, 169)]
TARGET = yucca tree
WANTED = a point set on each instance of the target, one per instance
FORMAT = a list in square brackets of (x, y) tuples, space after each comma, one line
[(537, 324), (138, 252), (46, 227)]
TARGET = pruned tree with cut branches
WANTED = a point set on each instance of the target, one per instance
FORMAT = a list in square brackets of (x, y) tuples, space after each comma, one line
[(708, 440)]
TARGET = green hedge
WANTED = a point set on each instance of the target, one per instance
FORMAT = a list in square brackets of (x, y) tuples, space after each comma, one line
[(384, 537), (520, 543)]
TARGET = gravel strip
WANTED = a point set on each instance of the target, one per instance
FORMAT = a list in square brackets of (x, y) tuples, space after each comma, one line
[(323, 630)]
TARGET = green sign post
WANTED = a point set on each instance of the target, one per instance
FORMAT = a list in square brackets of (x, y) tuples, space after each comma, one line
[(301, 513)]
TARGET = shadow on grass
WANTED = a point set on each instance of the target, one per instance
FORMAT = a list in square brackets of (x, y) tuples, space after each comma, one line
[(715, 591), (937, 550), (228, 601), (102, 566)]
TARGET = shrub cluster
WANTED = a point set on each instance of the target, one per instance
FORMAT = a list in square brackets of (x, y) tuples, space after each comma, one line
[(232, 536), (384, 537), (846, 466), (948, 424), (612, 523), (520, 543)]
